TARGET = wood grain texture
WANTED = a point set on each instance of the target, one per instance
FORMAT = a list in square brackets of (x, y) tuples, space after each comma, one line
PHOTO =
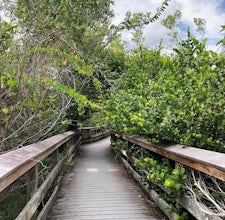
[(98, 187), (186, 201), (209, 162), (39, 195), (15, 163)]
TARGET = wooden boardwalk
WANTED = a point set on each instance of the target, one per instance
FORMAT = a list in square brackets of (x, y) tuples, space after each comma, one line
[(99, 188)]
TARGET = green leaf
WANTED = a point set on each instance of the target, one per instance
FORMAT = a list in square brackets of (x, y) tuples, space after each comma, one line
[(169, 183), (13, 82), (5, 110)]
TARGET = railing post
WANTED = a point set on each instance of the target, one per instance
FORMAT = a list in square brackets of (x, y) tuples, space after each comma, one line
[(32, 178), (55, 156), (129, 145)]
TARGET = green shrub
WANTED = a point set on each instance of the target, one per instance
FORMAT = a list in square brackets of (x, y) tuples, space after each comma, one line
[(178, 99), (161, 174)]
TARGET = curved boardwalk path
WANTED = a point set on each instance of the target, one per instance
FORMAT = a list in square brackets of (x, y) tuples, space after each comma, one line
[(98, 187)]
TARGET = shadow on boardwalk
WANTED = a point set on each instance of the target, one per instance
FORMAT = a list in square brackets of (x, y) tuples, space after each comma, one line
[(98, 187)]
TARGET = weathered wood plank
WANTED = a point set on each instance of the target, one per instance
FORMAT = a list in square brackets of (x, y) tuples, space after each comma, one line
[(15, 163), (188, 203), (209, 162), (99, 188), (163, 205), (45, 211), (34, 202), (90, 128)]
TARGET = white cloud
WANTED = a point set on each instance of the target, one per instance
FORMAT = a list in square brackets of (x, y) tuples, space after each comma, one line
[(213, 11)]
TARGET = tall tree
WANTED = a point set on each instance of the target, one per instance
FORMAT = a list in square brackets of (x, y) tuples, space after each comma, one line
[(51, 63), (47, 65)]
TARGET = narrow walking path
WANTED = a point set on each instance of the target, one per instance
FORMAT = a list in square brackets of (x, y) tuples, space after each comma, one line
[(98, 188)]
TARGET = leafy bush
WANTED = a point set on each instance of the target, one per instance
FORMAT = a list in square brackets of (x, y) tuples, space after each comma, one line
[(159, 174), (178, 99), (171, 180)]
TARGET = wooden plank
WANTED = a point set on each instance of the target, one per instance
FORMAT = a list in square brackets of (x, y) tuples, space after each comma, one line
[(189, 204), (44, 212), (90, 128), (15, 163), (162, 204), (209, 162), (34, 202), (32, 184), (99, 188), (96, 137)]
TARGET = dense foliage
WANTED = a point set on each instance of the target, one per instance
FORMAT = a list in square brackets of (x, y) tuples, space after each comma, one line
[(38, 85), (56, 69), (158, 173), (161, 174), (53, 65), (46, 69), (171, 99)]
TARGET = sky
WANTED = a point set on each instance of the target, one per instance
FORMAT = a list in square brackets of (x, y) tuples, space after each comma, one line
[(213, 11)]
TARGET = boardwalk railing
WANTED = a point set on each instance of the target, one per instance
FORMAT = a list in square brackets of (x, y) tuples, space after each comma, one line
[(30, 176), (208, 162), (90, 134)]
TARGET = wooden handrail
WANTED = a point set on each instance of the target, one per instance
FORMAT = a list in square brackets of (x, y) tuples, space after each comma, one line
[(90, 134), (26, 160), (15, 163), (209, 162), (90, 128)]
